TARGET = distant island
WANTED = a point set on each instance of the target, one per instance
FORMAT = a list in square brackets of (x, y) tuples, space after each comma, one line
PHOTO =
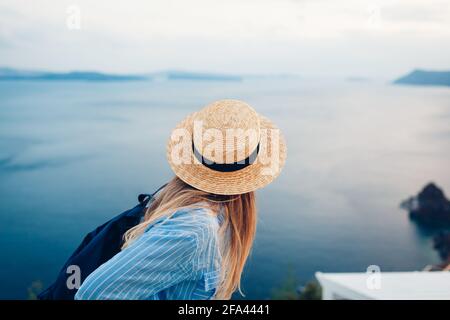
[(10, 74), (423, 77), (429, 208), (357, 79), (14, 74), (184, 75)]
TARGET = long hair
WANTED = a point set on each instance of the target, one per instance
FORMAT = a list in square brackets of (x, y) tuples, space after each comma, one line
[(237, 231)]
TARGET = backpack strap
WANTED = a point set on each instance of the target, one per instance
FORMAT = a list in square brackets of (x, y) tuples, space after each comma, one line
[(145, 198)]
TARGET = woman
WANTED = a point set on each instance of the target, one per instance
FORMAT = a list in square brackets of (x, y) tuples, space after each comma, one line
[(196, 235)]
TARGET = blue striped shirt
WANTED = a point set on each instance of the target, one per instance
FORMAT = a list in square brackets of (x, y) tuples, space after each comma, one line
[(177, 257)]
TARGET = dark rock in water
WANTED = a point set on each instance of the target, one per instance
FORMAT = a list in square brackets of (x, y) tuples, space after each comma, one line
[(430, 207), (442, 244)]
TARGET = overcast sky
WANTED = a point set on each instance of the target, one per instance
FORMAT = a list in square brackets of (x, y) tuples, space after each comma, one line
[(313, 37)]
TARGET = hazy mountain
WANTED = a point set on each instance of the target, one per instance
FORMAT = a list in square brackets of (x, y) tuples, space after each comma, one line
[(357, 79), (14, 74), (423, 77), (199, 76)]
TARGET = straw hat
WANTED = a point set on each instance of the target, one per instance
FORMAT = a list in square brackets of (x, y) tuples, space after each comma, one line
[(226, 148)]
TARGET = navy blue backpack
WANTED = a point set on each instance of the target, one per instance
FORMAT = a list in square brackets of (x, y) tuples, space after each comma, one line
[(96, 248)]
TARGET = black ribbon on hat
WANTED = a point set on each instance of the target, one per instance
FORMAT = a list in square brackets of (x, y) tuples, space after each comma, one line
[(226, 167)]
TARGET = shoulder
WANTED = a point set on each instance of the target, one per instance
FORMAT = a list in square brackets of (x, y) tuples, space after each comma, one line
[(196, 222), (193, 230)]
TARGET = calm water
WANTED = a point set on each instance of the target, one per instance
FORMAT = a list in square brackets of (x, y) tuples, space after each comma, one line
[(72, 155)]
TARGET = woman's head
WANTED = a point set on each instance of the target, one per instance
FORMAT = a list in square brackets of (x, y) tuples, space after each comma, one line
[(236, 233)]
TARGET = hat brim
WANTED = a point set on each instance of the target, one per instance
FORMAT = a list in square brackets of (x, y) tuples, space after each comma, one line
[(245, 180)]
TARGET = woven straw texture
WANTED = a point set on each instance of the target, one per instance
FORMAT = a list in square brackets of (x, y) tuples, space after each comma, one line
[(220, 116)]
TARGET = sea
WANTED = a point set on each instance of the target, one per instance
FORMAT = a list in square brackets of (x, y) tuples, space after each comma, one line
[(73, 154)]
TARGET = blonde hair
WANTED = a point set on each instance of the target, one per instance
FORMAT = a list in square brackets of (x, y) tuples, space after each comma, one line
[(237, 231)]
